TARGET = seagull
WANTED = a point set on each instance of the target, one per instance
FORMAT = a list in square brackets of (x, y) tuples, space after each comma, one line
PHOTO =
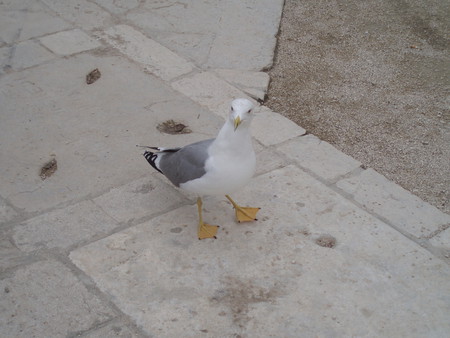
[(218, 166)]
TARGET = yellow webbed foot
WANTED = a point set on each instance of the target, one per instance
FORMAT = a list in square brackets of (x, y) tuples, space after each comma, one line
[(207, 231), (244, 214)]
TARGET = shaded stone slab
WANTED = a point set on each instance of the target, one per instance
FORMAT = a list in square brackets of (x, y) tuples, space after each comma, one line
[(254, 48), (20, 25), (45, 299), (252, 83), (69, 42), (63, 228), (10, 255), (210, 91), (319, 157), (312, 263), (114, 329), (91, 130), (271, 128), (83, 13), (139, 198), (27, 54), (6, 212), (406, 211), (155, 57)]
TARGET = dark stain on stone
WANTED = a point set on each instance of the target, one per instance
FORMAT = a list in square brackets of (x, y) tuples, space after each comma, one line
[(173, 128), (240, 295), (145, 188), (93, 76), (48, 169), (326, 241)]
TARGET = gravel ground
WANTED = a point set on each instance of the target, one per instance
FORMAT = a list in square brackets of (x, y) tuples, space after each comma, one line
[(373, 79)]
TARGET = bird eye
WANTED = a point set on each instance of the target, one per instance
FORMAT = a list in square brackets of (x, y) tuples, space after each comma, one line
[(232, 109), (249, 111)]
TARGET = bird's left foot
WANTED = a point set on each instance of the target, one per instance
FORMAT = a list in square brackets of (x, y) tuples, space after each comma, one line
[(244, 214)]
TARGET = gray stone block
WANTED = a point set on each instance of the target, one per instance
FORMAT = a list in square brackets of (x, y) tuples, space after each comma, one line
[(91, 130), (26, 54), (6, 212), (114, 329), (83, 13), (400, 207), (69, 42), (63, 228), (271, 128), (153, 56), (210, 91), (139, 198), (45, 299), (319, 157), (311, 263)]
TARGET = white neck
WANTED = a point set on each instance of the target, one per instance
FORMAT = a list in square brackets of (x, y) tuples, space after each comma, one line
[(228, 138)]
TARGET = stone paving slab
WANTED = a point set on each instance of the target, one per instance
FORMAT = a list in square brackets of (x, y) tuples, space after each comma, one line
[(272, 128), (26, 54), (83, 14), (327, 257), (252, 83), (208, 90), (271, 277), (155, 57), (205, 31), (63, 228), (69, 121), (140, 198), (45, 299), (319, 157), (403, 209), (115, 329), (69, 42)]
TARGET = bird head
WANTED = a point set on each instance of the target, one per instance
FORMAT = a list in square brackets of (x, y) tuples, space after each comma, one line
[(241, 112)]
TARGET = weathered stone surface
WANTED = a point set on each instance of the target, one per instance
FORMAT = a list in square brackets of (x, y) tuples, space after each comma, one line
[(45, 299), (271, 128), (82, 13), (26, 54), (271, 277), (206, 31), (70, 121), (118, 6), (114, 329), (404, 210), (6, 212), (155, 57), (10, 256), (267, 159), (69, 42), (253, 50), (442, 240), (63, 228), (21, 25), (209, 91), (319, 157), (139, 198), (254, 84)]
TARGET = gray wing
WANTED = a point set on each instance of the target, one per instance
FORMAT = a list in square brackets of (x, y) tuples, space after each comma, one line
[(186, 164)]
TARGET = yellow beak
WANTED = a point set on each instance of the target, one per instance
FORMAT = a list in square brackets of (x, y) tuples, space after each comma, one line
[(237, 122)]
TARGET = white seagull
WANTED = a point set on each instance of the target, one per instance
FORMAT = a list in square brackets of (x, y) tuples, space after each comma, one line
[(217, 166)]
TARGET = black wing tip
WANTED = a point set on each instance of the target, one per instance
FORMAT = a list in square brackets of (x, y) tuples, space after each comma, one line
[(151, 158)]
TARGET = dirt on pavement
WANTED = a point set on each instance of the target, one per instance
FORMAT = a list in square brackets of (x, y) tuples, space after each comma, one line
[(373, 79)]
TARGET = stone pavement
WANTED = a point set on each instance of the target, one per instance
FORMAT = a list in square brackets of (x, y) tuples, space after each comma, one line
[(106, 247)]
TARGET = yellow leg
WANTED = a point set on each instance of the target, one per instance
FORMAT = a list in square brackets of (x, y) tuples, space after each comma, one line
[(244, 214), (204, 230)]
